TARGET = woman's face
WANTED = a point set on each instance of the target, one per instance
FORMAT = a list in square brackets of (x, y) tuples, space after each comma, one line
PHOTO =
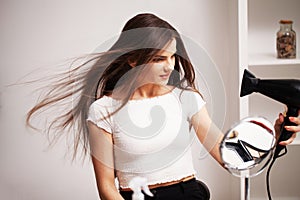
[(160, 67)]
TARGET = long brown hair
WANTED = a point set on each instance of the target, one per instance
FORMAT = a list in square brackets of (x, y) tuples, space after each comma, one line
[(142, 37)]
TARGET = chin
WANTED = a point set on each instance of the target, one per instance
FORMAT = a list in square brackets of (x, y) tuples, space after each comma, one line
[(163, 83)]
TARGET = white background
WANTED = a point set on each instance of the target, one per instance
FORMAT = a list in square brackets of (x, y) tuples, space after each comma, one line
[(38, 35)]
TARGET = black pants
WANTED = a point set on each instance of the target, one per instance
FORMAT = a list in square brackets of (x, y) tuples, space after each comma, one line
[(188, 190)]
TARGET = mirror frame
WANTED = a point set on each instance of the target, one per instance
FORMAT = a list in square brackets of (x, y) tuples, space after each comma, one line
[(257, 166)]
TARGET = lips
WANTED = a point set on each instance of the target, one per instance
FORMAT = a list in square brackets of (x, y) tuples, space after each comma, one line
[(165, 76)]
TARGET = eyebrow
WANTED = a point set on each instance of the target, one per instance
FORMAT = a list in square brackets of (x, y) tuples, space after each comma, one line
[(157, 56), (161, 56)]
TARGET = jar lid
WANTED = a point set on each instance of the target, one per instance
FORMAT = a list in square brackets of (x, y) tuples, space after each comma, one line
[(285, 21)]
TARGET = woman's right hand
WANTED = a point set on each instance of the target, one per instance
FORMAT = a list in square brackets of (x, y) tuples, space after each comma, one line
[(103, 162)]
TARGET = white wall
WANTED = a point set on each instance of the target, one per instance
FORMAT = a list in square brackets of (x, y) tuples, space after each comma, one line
[(39, 35)]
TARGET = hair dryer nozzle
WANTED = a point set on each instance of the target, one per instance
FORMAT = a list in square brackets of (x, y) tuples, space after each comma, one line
[(249, 83)]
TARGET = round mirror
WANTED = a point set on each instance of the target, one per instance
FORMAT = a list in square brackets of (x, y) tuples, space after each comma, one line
[(247, 147)]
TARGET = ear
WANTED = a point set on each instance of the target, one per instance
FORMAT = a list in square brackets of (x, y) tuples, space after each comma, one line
[(131, 63)]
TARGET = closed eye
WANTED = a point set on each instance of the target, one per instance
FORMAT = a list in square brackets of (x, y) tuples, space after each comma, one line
[(161, 58), (158, 59)]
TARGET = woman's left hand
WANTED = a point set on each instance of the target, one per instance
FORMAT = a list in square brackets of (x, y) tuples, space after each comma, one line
[(293, 129)]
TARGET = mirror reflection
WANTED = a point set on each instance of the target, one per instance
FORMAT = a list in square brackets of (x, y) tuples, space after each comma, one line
[(248, 146)]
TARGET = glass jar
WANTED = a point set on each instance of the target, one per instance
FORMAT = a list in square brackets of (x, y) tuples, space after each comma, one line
[(286, 40)]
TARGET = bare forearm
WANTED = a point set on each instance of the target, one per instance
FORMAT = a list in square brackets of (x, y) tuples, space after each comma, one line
[(109, 193), (215, 152)]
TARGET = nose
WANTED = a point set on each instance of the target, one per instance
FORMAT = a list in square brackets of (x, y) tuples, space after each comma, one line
[(169, 66)]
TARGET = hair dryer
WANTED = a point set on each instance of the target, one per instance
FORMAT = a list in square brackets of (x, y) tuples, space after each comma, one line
[(286, 91)]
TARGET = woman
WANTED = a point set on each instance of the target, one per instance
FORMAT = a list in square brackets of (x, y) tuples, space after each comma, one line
[(137, 106)]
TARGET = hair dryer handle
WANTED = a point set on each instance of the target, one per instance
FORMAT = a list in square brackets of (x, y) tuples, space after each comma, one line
[(285, 135)]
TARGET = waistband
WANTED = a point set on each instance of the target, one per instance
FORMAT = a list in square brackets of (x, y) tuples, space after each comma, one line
[(167, 184)]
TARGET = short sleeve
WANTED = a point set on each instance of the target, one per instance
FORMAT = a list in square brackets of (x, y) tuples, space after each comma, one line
[(99, 115), (193, 103)]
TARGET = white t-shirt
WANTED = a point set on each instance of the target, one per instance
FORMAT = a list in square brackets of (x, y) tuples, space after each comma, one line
[(152, 137)]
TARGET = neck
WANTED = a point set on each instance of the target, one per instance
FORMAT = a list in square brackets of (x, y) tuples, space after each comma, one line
[(150, 90)]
